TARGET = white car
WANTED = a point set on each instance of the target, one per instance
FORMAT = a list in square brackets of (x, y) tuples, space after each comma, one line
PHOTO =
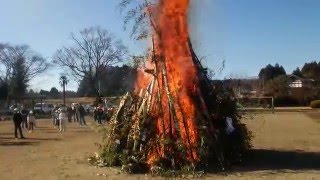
[(19, 106), (44, 107)]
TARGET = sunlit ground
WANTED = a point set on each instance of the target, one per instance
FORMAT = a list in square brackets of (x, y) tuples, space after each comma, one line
[(286, 146)]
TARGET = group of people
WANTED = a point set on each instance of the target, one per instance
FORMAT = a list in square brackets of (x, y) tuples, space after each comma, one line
[(99, 113), (61, 114), (59, 117), (23, 119)]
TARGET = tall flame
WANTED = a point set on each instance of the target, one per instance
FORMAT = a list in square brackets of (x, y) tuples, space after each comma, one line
[(176, 80)]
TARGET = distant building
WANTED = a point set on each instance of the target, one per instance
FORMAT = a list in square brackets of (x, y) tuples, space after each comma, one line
[(301, 89), (298, 82)]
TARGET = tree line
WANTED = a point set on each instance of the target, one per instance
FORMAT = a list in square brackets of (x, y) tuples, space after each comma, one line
[(115, 80), (93, 58), (274, 81), (310, 70)]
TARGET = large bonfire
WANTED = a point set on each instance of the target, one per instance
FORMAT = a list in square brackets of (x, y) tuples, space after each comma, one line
[(175, 119)]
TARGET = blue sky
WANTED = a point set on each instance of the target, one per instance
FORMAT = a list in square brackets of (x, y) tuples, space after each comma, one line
[(247, 34)]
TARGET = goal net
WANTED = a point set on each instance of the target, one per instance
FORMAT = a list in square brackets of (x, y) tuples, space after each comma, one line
[(264, 102)]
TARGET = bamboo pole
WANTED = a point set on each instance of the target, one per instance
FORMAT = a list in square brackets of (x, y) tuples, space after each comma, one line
[(155, 59)]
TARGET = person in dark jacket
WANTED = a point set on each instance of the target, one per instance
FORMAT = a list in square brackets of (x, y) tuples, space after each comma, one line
[(69, 114), (17, 120), (24, 113), (100, 114), (82, 113)]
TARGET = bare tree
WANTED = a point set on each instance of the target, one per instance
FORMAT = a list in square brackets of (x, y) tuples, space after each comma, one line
[(93, 50), (9, 55), (139, 16), (5, 63), (18, 65)]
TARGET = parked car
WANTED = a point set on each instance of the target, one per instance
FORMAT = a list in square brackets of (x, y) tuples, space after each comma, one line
[(19, 106), (43, 107), (6, 114), (89, 108)]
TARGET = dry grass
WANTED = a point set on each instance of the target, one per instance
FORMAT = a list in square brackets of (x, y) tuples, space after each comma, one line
[(83, 100)]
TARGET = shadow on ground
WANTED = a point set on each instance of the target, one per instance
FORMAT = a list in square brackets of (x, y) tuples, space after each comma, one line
[(10, 141), (264, 159), (5, 134), (19, 143), (44, 139), (314, 116)]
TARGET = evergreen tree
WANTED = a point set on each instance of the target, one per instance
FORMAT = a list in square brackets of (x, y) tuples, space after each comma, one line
[(54, 93), (297, 72), (270, 72), (4, 90), (44, 92), (19, 80), (311, 70)]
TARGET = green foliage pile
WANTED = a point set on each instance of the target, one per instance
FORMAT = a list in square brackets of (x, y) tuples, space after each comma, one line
[(315, 104), (217, 151)]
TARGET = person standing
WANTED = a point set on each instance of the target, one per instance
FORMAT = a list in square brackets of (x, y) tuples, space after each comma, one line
[(82, 113), (74, 112), (77, 114), (62, 120), (69, 113), (53, 115), (95, 114), (17, 120), (100, 114), (24, 113), (31, 119)]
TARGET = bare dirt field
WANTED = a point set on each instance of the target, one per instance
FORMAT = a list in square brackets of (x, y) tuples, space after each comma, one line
[(286, 146)]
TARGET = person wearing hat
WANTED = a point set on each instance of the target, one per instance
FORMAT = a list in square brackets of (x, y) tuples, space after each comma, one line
[(31, 119), (62, 119), (24, 112), (54, 115), (17, 120)]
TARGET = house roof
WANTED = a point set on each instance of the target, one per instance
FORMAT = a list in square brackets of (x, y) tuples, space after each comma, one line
[(295, 77)]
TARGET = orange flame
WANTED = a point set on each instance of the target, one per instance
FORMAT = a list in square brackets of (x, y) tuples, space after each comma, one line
[(177, 80)]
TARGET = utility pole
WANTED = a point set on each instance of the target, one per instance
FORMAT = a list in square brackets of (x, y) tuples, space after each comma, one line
[(64, 93), (99, 90), (263, 85)]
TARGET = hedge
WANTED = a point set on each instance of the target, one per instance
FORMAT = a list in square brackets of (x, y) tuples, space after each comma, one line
[(315, 104)]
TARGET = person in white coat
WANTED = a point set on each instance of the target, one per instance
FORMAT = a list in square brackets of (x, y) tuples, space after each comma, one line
[(62, 119), (31, 120)]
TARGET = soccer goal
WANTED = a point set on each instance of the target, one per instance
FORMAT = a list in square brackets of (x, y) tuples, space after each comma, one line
[(262, 102)]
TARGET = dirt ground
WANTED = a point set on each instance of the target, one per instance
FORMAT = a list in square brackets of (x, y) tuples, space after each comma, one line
[(286, 146)]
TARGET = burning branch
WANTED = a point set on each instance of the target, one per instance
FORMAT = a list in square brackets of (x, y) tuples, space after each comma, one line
[(174, 118)]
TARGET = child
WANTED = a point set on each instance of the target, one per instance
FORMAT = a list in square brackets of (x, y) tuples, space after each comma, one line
[(95, 114), (31, 120), (62, 119), (100, 114)]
